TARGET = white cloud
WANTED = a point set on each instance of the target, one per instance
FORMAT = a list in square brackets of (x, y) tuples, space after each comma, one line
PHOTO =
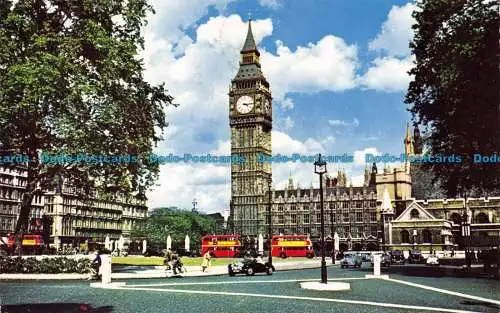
[(174, 16), (288, 123), (197, 72), (357, 180), (396, 32), (329, 64), (354, 123), (387, 74), (286, 103), (360, 155), (272, 4), (180, 183)]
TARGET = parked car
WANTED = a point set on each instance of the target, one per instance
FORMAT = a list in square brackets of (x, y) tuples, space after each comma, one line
[(249, 266), (432, 260), (351, 260), (385, 260), (416, 257), (397, 257), (366, 256)]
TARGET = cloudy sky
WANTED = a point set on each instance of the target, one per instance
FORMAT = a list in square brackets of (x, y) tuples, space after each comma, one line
[(338, 75)]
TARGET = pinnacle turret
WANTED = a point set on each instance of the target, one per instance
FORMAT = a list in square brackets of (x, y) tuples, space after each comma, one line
[(249, 45)]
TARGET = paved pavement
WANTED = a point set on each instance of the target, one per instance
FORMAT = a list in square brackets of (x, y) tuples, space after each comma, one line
[(138, 272), (277, 293)]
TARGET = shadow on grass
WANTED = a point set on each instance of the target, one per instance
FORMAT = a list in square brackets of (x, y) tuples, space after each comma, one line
[(54, 308)]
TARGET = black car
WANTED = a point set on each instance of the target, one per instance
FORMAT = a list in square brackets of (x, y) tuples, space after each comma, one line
[(249, 267), (397, 257), (416, 257)]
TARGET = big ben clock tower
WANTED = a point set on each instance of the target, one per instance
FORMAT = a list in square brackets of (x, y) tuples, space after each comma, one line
[(250, 119)]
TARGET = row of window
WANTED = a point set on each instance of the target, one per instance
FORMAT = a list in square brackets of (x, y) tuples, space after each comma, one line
[(356, 201), (337, 218), (328, 206), (424, 237), (342, 232), (13, 181)]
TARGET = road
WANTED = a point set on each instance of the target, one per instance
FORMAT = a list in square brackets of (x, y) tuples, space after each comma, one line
[(280, 292)]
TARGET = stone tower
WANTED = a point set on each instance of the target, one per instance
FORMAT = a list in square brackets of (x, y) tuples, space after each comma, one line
[(250, 120)]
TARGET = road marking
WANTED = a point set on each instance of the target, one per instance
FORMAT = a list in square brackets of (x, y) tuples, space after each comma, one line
[(463, 295), (241, 282), (386, 305)]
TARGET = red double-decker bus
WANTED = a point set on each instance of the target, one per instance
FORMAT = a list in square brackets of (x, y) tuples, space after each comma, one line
[(221, 246), (32, 243), (292, 246)]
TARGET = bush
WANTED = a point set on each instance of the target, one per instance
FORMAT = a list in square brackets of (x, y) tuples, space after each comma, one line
[(46, 265)]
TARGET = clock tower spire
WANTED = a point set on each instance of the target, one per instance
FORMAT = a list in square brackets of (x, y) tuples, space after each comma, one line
[(250, 119)]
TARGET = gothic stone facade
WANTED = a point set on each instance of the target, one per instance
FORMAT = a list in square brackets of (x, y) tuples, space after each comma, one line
[(250, 119), (435, 224), (70, 219), (349, 211)]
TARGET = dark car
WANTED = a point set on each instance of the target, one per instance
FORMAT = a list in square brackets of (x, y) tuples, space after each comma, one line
[(249, 267), (397, 257), (385, 260), (153, 252), (416, 257)]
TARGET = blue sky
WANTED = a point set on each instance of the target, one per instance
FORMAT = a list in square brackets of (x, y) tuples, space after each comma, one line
[(338, 74)]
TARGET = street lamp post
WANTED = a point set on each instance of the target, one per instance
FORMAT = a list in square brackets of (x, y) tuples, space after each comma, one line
[(269, 225), (332, 232), (320, 169), (466, 234)]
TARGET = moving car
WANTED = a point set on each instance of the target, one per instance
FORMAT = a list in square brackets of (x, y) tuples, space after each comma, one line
[(249, 267), (351, 260), (432, 260), (385, 260)]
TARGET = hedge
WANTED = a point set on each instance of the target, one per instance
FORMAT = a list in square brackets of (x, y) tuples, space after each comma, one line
[(45, 265)]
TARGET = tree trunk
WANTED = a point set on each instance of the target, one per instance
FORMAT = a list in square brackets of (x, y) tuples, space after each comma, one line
[(22, 221)]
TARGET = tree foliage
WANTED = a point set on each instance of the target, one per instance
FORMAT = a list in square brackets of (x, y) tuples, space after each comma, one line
[(176, 223), (71, 82), (454, 93)]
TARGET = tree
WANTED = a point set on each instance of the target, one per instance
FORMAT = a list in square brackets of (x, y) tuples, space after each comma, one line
[(176, 223), (454, 92), (423, 183), (71, 84)]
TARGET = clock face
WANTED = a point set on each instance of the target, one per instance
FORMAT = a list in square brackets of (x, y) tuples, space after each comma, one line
[(244, 104)]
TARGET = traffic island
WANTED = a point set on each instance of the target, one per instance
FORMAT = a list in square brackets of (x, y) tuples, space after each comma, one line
[(108, 285), (331, 286)]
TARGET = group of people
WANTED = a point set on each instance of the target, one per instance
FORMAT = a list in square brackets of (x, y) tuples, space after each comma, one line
[(173, 262)]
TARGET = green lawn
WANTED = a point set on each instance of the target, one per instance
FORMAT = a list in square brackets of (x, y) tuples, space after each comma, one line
[(139, 260)]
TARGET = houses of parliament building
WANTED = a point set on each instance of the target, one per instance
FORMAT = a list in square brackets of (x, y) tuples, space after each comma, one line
[(369, 217)]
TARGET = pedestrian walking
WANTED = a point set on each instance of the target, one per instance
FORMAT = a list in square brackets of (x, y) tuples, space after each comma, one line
[(96, 266), (207, 259)]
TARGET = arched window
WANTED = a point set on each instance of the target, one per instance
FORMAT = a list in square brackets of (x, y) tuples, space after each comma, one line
[(456, 218), (426, 236), (414, 214), (405, 236), (482, 218)]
